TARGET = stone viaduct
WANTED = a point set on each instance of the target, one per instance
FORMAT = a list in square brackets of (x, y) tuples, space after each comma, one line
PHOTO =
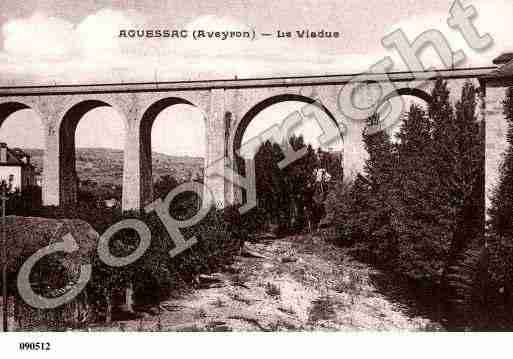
[(228, 107)]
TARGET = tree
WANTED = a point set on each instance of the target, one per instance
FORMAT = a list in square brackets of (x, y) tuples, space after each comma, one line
[(268, 181), (164, 185), (287, 195), (466, 182), (459, 148), (418, 205), (422, 238), (374, 193)]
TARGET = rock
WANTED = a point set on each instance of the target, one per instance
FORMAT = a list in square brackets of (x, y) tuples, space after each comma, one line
[(215, 285), (251, 320), (171, 307), (214, 277), (239, 283), (214, 280), (288, 259), (246, 252), (218, 326), (287, 310)]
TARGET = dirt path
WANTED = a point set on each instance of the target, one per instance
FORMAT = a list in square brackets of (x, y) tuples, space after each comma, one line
[(303, 283)]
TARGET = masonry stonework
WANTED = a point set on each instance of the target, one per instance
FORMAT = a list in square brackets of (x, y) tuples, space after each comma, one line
[(61, 108)]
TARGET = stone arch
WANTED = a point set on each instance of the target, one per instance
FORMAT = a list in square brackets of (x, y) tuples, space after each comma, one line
[(386, 123), (8, 108), (406, 91), (236, 138), (68, 179), (145, 127), (235, 141)]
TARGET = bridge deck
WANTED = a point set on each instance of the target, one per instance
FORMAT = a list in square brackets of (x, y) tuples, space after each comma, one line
[(406, 76)]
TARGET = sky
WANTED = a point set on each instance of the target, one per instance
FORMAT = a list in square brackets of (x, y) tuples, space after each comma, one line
[(64, 42)]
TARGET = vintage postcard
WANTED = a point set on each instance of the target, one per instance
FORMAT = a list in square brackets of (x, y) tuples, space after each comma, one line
[(254, 166)]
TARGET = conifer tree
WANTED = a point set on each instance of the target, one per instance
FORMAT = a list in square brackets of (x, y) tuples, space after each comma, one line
[(458, 149), (467, 177), (440, 110), (376, 193), (422, 249), (461, 182), (268, 184), (285, 195)]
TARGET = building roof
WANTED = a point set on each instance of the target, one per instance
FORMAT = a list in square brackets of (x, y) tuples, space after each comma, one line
[(503, 75), (16, 157), (503, 59)]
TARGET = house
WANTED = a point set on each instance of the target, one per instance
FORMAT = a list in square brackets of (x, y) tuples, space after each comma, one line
[(15, 167)]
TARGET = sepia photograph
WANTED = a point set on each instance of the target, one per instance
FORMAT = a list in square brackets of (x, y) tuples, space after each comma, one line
[(296, 167)]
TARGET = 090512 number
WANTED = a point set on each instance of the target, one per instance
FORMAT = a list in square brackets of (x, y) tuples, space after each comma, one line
[(35, 346)]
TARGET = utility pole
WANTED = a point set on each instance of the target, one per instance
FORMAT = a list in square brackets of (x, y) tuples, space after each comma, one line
[(4, 260), (6, 187)]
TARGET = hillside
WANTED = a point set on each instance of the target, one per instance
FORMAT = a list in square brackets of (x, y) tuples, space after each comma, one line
[(105, 166)]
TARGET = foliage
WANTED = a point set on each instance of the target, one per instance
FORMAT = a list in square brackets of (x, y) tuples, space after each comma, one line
[(417, 208), (288, 198), (24, 203), (156, 275)]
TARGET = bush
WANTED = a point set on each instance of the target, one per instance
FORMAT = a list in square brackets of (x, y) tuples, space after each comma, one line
[(25, 203), (413, 211), (156, 275)]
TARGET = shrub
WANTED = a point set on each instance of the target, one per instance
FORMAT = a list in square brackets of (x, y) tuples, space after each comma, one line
[(156, 275)]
